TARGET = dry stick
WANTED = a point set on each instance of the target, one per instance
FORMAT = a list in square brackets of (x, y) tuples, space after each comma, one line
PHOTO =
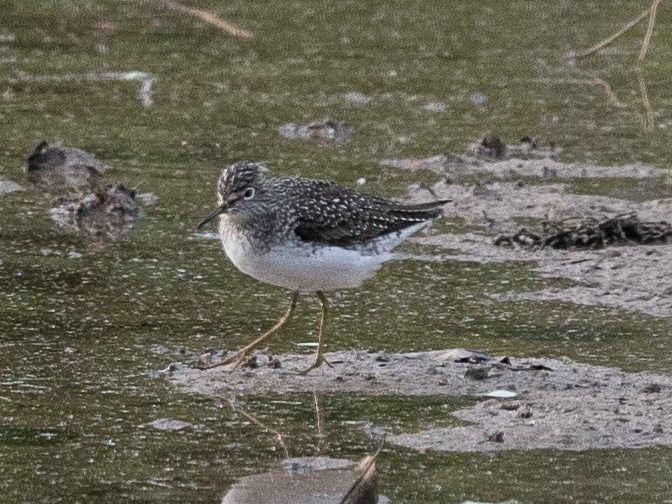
[(595, 81), (206, 16), (649, 29), (611, 38), (648, 122)]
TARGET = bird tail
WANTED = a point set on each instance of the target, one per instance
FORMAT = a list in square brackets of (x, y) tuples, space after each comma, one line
[(421, 211)]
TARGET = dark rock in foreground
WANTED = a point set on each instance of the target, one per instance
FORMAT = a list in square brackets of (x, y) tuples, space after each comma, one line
[(107, 213), (52, 168)]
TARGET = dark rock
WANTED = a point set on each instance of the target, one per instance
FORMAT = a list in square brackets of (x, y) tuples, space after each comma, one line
[(619, 230), (492, 148), (110, 212), (52, 168)]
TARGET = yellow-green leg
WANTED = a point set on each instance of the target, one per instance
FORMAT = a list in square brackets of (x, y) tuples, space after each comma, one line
[(240, 355), (319, 355)]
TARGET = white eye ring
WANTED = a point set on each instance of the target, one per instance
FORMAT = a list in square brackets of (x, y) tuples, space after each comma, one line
[(249, 193)]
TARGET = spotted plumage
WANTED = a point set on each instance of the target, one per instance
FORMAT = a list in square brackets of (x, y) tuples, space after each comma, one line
[(312, 210), (309, 235)]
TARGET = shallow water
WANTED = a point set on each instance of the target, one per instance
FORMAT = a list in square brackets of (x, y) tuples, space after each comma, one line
[(83, 337)]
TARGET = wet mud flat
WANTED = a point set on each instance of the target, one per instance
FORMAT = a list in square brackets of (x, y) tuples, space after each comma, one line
[(505, 204), (524, 403)]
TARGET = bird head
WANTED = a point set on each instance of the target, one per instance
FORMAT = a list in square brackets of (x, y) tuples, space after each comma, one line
[(240, 185)]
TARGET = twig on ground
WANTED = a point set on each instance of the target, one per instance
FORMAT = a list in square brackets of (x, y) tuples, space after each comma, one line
[(594, 81), (648, 121), (649, 29), (650, 13), (206, 16)]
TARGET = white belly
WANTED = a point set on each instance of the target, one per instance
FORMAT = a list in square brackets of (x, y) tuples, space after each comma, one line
[(303, 268)]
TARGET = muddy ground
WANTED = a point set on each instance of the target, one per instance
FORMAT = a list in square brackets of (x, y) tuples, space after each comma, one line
[(635, 278), (562, 405), (556, 404)]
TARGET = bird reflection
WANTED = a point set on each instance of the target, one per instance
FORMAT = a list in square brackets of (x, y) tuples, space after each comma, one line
[(308, 480)]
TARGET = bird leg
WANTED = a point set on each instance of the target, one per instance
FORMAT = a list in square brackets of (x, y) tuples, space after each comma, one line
[(241, 354), (319, 356)]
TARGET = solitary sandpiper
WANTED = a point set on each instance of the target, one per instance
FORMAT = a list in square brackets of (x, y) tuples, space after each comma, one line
[(307, 235)]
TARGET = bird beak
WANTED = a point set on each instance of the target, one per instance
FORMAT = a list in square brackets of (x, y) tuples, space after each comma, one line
[(218, 211)]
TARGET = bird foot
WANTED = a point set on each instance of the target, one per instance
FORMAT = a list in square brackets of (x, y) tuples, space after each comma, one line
[(238, 358), (318, 363)]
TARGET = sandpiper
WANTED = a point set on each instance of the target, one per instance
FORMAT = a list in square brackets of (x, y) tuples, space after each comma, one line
[(307, 235)]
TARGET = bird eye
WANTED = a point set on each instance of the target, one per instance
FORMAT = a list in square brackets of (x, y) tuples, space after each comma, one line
[(249, 193)]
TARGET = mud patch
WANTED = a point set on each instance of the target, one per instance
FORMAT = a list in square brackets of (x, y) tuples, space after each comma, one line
[(635, 278), (555, 404), (544, 168)]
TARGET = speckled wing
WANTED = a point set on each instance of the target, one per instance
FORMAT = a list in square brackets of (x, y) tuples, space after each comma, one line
[(335, 215)]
